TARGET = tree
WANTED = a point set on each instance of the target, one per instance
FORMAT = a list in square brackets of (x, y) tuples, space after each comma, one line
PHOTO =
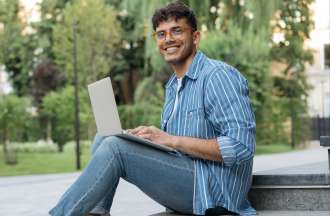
[(51, 12), (46, 77), (16, 46), (293, 22), (58, 107), (13, 116), (147, 108), (97, 38)]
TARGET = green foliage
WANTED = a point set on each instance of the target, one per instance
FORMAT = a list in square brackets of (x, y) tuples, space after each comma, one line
[(13, 117), (59, 108), (50, 13), (33, 130), (16, 47), (294, 21), (118, 41), (41, 147), (150, 92), (147, 109), (98, 33), (138, 114), (141, 11)]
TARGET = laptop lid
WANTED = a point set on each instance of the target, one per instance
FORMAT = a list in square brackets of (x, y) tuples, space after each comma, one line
[(104, 107)]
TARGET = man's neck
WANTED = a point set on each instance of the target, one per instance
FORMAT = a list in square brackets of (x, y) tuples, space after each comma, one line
[(181, 68)]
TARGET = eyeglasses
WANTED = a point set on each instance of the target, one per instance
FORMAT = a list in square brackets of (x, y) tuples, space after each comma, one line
[(174, 32)]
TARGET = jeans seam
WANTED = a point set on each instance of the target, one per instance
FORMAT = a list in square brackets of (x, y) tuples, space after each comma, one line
[(96, 182)]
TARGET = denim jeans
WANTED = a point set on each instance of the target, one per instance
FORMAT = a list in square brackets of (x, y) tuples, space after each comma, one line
[(166, 178)]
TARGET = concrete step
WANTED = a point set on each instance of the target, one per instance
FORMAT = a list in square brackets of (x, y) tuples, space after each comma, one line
[(299, 188), (269, 213)]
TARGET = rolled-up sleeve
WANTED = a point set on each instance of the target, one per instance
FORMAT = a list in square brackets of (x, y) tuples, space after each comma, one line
[(229, 110)]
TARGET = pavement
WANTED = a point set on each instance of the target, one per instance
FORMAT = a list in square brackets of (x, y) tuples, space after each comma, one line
[(35, 195)]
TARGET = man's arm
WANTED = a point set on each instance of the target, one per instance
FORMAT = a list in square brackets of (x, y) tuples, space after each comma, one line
[(228, 108), (201, 148)]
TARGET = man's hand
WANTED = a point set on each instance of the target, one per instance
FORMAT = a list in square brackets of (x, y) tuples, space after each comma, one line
[(200, 148), (153, 134)]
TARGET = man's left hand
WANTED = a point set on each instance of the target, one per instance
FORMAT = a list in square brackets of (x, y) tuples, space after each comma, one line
[(153, 134)]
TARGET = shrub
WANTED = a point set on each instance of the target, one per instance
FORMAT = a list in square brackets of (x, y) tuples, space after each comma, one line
[(34, 147), (149, 97), (59, 107)]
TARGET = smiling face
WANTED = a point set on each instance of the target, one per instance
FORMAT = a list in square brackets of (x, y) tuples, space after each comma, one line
[(176, 42)]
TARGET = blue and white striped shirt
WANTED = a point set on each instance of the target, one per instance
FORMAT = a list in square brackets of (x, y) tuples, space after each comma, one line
[(214, 103)]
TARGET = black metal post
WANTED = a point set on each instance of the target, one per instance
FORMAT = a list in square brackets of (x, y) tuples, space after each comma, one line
[(325, 142), (76, 95)]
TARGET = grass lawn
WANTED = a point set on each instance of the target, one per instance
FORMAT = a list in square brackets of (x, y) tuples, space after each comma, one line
[(273, 148), (41, 163)]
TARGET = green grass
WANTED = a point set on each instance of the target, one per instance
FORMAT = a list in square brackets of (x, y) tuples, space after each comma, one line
[(273, 148), (42, 163)]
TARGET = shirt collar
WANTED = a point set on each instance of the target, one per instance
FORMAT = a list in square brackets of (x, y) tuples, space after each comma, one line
[(193, 70)]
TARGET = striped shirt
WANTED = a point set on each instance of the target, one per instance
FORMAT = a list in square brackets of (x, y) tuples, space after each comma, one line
[(213, 103)]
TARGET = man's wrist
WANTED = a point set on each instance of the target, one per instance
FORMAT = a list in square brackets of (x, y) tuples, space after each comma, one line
[(174, 142)]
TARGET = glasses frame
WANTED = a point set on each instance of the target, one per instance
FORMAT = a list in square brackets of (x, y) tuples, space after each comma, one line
[(170, 33)]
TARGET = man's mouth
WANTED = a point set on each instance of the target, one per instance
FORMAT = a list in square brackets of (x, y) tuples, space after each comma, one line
[(171, 49)]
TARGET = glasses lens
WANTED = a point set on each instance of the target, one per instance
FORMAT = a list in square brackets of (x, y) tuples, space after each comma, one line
[(176, 31), (160, 35)]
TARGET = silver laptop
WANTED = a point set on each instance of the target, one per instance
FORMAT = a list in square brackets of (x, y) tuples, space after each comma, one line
[(107, 117)]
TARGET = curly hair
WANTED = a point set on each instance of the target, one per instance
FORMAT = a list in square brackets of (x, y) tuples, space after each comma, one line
[(176, 10)]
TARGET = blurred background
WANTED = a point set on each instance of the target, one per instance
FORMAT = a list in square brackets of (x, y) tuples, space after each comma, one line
[(281, 46)]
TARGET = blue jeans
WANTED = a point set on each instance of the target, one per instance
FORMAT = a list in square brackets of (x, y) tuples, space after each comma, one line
[(166, 178)]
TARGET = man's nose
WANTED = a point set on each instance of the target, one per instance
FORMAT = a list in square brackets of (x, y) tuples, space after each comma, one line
[(168, 36)]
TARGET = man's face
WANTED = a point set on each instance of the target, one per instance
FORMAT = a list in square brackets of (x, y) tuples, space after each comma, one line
[(176, 40)]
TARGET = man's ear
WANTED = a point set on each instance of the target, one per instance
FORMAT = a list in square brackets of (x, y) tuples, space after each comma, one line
[(196, 37)]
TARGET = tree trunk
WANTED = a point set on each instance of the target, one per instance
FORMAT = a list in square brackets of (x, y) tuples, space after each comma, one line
[(5, 141), (293, 119), (10, 156), (60, 148), (49, 131), (128, 85)]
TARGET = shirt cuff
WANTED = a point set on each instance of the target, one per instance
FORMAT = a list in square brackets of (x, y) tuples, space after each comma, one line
[(227, 150)]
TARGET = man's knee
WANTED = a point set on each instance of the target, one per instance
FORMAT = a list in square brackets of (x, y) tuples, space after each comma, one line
[(110, 144), (98, 139)]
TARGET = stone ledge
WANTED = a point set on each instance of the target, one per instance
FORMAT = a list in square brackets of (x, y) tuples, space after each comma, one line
[(270, 213), (305, 187)]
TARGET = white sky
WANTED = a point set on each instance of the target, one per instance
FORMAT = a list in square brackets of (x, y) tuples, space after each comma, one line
[(321, 34), (31, 9)]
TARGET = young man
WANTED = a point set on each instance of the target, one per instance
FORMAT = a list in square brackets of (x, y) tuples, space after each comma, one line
[(207, 117)]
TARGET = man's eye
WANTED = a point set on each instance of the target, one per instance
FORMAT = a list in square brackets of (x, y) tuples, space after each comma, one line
[(177, 31), (160, 34)]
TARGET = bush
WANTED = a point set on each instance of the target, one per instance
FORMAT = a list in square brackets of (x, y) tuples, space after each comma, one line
[(149, 97), (34, 147), (13, 117), (59, 108), (139, 114)]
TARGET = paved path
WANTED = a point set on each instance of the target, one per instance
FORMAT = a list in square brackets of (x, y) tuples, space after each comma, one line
[(35, 195)]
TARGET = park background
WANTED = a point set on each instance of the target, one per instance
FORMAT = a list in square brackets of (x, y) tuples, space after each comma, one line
[(270, 42)]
